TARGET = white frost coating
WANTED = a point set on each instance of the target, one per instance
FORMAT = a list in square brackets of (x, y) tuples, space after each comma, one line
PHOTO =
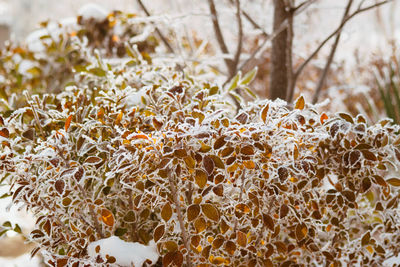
[(92, 11), (135, 98), (125, 253)]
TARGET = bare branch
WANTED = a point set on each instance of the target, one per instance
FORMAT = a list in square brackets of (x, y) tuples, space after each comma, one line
[(289, 52), (162, 37), (175, 193), (240, 35), (271, 36), (220, 37), (322, 44), (331, 55), (253, 22)]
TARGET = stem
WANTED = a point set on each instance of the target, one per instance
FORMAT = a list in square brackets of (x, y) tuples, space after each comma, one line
[(220, 37), (331, 55), (180, 217), (313, 54), (240, 35), (162, 37)]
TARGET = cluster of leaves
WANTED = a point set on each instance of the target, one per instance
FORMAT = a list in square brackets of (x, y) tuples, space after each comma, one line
[(144, 152), (264, 187), (56, 51)]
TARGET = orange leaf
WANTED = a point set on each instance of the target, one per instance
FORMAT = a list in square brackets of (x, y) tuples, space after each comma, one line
[(323, 118), (4, 132), (107, 217), (119, 118), (68, 122), (300, 103)]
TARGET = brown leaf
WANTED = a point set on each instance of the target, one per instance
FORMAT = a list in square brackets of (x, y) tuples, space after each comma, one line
[(300, 103), (200, 225), (268, 221), (208, 164), (210, 212), (219, 190), (365, 239), (79, 174), (242, 208), (247, 150), (5, 133), (349, 195), (217, 162), (227, 151), (393, 181), (346, 117), (301, 231), (93, 160), (1, 121), (283, 211), (217, 243), (59, 185), (241, 239), (192, 212), (200, 178), (368, 155), (220, 142), (230, 247), (68, 122), (166, 212), (158, 232)]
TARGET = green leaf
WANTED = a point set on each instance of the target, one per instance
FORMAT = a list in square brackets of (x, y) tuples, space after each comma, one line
[(248, 77), (120, 231), (250, 92), (7, 224), (98, 72), (17, 229), (4, 195), (234, 82)]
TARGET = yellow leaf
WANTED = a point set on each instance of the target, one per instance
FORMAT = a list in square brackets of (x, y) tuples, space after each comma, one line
[(300, 103)]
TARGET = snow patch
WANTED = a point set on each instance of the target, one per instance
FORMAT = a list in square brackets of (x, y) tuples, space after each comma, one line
[(92, 11), (125, 253)]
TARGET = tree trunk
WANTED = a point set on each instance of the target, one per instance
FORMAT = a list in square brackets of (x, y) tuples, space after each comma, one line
[(279, 55)]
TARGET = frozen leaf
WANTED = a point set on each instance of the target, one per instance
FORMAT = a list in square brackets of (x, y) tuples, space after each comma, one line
[(93, 160), (130, 217), (219, 190), (264, 113), (158, 232), (365, 239), (249, 76), (200, 178), (242, 208), (4, 133), (346, 117), (107, 217), (393, 181), (230, 247), (300, 103), (217, 161), (268, 221), (247, 150), (200, 225), (68, 122), (119, 118), (220, 142), (166, 212), (193, 212), (210, 212), (120, 231), (241, 239), (208, 164), (79, 174), (59, 186), (283, 211), (323, 118)]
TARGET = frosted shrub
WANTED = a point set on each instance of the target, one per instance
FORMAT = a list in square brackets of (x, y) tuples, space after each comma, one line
[(56, 50), (149, 154)]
